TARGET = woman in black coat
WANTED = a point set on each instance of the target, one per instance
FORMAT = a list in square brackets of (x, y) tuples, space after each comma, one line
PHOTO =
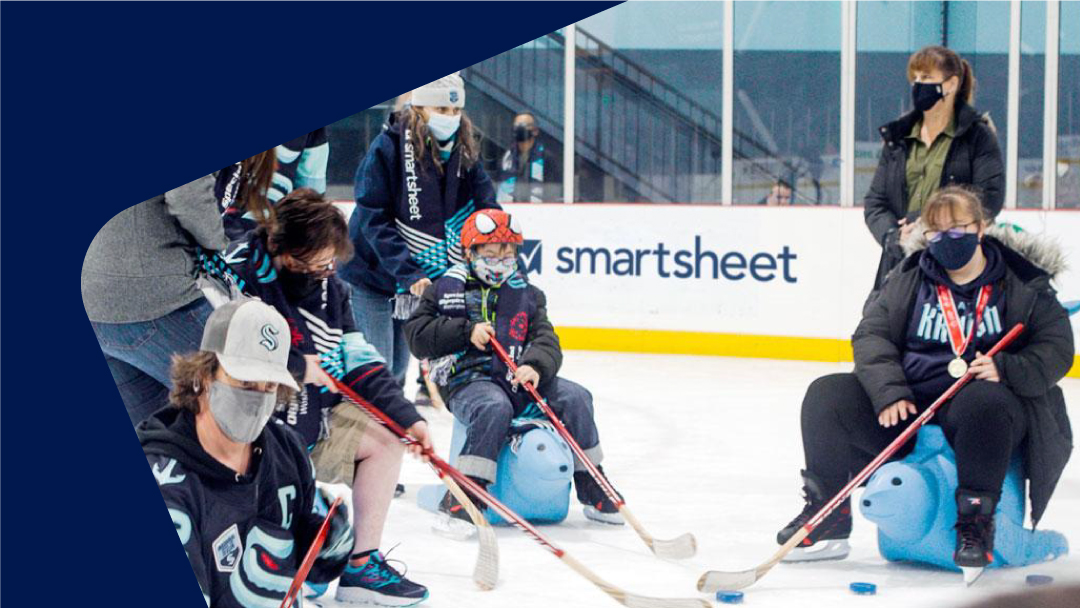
[(942, 142), (907, 353)]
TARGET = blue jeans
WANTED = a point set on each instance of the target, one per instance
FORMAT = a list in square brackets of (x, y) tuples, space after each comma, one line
[(139, 354), (373, 314), (486, 411)]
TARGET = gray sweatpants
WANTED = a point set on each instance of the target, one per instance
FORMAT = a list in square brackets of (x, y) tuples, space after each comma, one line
[(486, 411)]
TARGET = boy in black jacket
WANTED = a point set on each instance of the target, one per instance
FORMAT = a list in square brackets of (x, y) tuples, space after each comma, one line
[(457, 317)]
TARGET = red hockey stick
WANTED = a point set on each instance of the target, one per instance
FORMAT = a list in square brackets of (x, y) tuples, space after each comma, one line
[(677, 548), (443, 468), (309, 559), (715, 580)]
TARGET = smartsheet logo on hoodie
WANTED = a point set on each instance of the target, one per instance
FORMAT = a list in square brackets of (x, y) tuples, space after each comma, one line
[(668, 262)]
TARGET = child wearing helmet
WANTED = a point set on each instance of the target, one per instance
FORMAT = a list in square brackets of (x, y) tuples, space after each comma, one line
[(485, 297)]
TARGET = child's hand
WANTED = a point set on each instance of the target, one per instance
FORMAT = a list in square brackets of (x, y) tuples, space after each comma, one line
[(482, 333), (419, 432), (526, 373)]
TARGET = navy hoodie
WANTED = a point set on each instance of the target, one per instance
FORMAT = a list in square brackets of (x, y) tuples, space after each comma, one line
[(928, 350)]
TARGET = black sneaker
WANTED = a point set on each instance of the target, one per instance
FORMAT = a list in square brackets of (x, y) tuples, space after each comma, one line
[(379, 583), (598, 507), (974, 532), (829, 539)]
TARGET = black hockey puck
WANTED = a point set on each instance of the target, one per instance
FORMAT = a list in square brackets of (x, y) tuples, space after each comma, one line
[(1039, 579)]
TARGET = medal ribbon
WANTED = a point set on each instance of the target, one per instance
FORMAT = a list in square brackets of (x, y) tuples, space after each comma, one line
[(957, 341)]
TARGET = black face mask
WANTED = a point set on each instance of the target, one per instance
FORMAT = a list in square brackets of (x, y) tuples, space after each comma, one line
[(925, 94), (952, 253), (298, 285), (522, 133)]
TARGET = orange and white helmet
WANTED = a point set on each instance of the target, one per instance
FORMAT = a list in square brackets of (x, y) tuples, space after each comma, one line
[(490, 226)]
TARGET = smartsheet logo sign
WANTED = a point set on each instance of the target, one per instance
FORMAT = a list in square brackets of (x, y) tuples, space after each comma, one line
[(531, 255)]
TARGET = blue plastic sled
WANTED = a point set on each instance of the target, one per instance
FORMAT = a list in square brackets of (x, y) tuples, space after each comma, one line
[(913, 503), (535, 469)]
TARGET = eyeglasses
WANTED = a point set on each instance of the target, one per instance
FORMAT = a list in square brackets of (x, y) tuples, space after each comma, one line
[(955, 232), (318, 271)]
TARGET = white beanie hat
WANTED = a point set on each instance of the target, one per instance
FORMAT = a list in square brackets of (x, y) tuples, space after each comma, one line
[(448, 91)]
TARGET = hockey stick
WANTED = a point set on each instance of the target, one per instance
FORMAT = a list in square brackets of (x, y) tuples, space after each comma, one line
[(444, 469), (715, 580), (677, 548), (309, 558), (432, 388), (486, 570)]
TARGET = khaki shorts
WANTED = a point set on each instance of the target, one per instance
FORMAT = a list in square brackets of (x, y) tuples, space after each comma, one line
[(335, 456)]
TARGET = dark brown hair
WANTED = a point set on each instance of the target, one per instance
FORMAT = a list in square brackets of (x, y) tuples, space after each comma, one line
[(949, 63), (949, 202), (305, 224), (191, 375), (422, 140), (256, 177)]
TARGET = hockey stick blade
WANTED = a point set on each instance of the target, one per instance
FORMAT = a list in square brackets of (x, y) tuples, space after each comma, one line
[(486, 570), (717, 580), (630, 599), (681, 547)]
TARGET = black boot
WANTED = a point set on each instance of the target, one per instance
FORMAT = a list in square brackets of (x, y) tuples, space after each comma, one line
[(974, 532), (829, 539), (598, 507), (454, 521)]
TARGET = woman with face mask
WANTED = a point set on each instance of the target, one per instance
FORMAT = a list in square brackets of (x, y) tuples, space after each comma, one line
[(239, 487), (418, 182), (942, 141), (524, 169), (290, 265), (962, 287)]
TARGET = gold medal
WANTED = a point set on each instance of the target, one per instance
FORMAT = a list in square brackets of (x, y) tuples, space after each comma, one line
[(957, 367)]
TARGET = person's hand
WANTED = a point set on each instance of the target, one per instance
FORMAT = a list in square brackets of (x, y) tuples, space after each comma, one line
[(983, 368), (482, 333), (892, 415), (526, 373), (315, 374), (417, 288), (419, 432), (906, 229)]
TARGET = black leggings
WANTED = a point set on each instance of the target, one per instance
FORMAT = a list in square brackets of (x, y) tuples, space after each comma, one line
[(984, 423)]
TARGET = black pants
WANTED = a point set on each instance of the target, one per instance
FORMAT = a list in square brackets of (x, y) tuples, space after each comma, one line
[(984, 423)]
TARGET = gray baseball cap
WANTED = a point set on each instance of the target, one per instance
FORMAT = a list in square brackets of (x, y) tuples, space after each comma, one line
[(251, 341)]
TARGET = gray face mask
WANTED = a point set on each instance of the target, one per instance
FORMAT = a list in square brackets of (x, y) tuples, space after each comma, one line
[(240, 413)]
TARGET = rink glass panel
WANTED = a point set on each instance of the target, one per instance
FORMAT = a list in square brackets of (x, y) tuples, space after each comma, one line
[(1068, 143), (787, 101), (648, 78)]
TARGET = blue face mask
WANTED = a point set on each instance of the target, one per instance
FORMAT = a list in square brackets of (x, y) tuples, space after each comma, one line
[(953, 252), (443, 127)]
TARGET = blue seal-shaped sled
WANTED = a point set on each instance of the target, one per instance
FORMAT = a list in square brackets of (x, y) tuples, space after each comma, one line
[(535, 468), (913, 503)]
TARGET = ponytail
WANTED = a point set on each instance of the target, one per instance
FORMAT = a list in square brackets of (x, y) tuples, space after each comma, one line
[(966, 91)]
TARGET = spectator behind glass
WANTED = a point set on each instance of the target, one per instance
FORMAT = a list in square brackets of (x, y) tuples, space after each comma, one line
[(943, 141), (779, 195), (418, 182), (523, 171), (140, 293)]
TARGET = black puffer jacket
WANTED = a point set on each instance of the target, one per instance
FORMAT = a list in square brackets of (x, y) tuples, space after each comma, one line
[(1031, 366), (973, 159)]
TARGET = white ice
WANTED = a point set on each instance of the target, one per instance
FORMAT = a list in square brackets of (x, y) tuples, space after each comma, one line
[(707, 445)]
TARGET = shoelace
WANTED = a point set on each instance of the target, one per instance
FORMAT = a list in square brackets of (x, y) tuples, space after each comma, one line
[(972, 532)]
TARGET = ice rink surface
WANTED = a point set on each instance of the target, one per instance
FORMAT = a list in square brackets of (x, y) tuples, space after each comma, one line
[(707, 445)]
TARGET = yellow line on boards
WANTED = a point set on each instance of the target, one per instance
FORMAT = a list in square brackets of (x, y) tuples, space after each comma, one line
[(660, 341)]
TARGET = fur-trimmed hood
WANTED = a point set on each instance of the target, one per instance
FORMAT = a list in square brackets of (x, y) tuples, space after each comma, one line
[(1043, 252)]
